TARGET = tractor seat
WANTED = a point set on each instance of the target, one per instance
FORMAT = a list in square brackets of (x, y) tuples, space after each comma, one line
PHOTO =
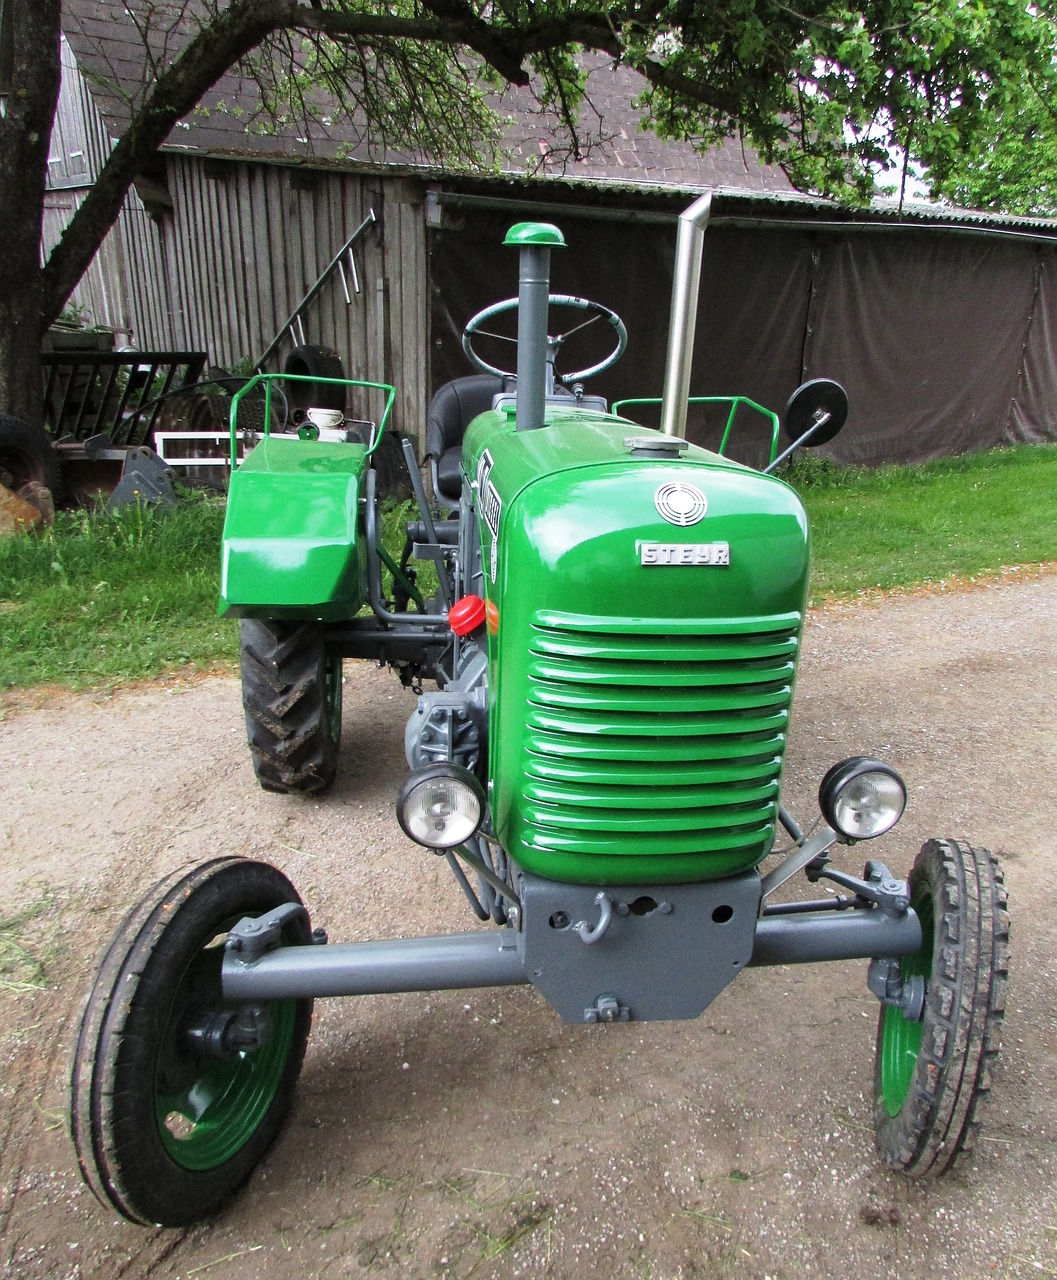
[(451, 411)]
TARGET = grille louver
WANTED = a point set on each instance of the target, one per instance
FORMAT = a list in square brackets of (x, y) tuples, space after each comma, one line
[(656, 738)]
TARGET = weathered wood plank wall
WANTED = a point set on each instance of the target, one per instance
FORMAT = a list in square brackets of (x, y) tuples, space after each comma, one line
[(243, 241), (79, 146)]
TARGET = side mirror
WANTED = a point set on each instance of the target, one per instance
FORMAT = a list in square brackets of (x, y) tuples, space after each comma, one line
[(815, 413)]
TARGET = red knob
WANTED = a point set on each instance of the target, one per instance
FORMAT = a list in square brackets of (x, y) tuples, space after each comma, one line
[(466, 615)]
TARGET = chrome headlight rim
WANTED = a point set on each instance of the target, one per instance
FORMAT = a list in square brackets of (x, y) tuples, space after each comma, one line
[(418, 785), (846, 773)]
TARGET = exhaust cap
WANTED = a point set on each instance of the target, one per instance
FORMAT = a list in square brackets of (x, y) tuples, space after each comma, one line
[(539, 233)]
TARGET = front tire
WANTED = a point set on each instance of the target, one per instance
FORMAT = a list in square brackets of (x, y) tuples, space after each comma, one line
[(166, 1131), (291, 694), (930, 1076)]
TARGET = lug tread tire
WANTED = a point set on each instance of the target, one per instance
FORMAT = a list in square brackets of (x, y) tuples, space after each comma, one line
[(964, 1010), (125, 1015), (284, 697)]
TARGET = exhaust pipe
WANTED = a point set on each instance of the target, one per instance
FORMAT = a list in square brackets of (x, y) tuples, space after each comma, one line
[(683, 318), (535, 239)]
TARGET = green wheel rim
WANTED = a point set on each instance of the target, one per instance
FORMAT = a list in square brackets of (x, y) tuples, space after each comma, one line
[(901, 1037), (333, 697), (207, 1109)]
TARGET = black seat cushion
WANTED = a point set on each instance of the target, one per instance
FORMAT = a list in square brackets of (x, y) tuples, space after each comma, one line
[(451, 411)]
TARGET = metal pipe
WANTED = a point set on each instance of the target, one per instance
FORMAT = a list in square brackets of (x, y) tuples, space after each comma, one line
[(431, 621), (491, 959), (306, 301), (448, 962), (683, 317), (533, 294), (805, 939), (884, 224)]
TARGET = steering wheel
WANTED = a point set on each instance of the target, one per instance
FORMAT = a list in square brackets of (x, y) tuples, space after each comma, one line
[(595, 310)]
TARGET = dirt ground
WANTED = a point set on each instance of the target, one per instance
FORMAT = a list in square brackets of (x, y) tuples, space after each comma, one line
[(472, 1133)]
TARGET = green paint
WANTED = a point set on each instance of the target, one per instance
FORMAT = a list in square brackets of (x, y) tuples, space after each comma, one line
[(535, 233), (900, 1037), (638, 713), (207, 1109), (732, 403), (292, 546)]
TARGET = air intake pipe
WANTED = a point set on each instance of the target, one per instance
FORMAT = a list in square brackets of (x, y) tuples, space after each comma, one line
[(535, 239), (683, 318)]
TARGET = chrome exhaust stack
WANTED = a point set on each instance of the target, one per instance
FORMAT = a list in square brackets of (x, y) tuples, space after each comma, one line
[(683, 317)]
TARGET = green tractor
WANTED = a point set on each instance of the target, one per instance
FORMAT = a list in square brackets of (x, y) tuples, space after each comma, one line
[(613, 643)]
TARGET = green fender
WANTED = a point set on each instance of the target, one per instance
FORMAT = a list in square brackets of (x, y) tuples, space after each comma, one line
[(293, 545)]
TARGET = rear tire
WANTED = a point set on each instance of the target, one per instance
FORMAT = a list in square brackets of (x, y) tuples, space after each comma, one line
[(315, 362), (291, 694), (26, 455), (930, 1076), (165, 1132)]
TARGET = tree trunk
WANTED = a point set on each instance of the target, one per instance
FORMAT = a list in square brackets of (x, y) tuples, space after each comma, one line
[(25, 136)]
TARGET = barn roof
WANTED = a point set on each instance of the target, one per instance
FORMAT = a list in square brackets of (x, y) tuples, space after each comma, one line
[(110, 54), (622, 159)]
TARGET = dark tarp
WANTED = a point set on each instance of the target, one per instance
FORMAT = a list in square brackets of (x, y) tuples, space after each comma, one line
[(1034, 409), (944, 342), (925, 333)]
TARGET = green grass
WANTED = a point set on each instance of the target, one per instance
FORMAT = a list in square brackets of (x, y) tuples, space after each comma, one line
[(108, 598), (903, 526), (103, 598)]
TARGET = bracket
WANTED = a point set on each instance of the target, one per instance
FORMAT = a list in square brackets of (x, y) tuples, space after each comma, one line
[(879, 887), (813, 847), (607, 1008), (887, 983), (253, 936)]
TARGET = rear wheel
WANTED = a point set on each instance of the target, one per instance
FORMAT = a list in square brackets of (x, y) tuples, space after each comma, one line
[(169, 1116), (930, 1075), (26, 454), (291, 694), (315, 362)]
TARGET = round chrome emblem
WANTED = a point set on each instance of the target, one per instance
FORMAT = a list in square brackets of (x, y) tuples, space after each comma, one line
[(680, 504)]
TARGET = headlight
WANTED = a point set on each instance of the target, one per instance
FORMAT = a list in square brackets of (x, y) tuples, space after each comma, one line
[(861, 798), (440, 806)]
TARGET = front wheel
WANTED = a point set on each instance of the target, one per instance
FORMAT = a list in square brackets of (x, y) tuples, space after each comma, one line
[(291, 694), (930, 1075), (170, 1111)]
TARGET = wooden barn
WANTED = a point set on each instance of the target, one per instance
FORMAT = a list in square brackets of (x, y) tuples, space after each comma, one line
[(937, 321)]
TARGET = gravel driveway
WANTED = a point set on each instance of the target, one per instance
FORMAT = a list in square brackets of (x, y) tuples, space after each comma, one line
[(471, 1133)]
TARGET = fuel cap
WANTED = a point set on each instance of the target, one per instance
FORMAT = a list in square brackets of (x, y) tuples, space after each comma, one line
[(466, 615)]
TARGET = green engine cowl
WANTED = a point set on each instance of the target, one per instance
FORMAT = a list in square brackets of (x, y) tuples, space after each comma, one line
[(640, 683)]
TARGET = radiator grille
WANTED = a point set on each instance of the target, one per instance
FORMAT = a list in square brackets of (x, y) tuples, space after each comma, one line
[(651, 738)]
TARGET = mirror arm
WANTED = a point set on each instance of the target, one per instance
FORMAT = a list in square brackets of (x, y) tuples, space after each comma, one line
[(822, 416)]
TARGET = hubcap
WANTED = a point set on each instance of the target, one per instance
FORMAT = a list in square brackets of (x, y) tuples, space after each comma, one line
[(207, 1108), (901, 1037)]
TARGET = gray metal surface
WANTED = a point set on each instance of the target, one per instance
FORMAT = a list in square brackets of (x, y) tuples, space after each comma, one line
[(448, 962), (845, 935), (798, 858), (666, 961), (533, 302)]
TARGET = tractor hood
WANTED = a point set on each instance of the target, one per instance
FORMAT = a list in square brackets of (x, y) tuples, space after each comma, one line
[(576, 511), (645, 621)]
